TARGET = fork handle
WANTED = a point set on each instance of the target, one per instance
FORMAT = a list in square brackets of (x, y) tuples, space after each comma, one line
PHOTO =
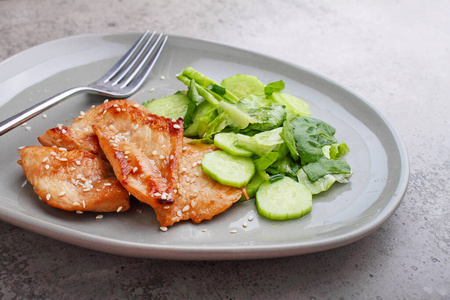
[(36, 109)]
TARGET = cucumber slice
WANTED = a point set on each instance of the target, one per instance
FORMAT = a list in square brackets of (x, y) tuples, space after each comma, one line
[(284, 199), (172, 107), (227, 142), (243, 85), (228, 169)]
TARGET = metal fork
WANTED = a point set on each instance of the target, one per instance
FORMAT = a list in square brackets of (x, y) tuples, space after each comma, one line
[(121, 81)]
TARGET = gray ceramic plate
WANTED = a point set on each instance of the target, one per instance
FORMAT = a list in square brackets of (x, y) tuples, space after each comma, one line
[(344, 214)]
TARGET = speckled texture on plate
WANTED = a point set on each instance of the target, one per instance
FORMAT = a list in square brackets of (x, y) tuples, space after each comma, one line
[(396, 55)]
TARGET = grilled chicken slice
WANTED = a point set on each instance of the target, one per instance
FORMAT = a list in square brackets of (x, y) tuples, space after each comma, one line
[(198, 196), (144, 151), (73, 180)]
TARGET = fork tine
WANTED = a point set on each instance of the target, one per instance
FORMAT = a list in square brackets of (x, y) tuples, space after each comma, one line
[(147, 63), (128, 67), (125, 58)]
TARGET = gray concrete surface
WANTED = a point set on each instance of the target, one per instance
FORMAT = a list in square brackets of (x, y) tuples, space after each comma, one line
[(395, 54)]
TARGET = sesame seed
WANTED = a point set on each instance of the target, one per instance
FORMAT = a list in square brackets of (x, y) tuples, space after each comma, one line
[(173, 120), (250, 218), (115, 105), (119, 208), (21, 147), (179, 213), (98, 217), (47, 167), (152, 90), (127, 152), (167, 207), (82, 113), (28, 128), (105, 101), (48, 196), (171, 157), (154, 152), (53, 153), (62, 193), (136, 105), (44, 116), (72, 169), (24, 124), (62, 149), (64, 131), (176, 126), (79, 212), (118, 109), (111, 127), (199, 162), (78, 162), (183, 169), (244, 224), (163, 77), (135, 169), (135, 126), (107, 184), (92, 106), (84, 204), (76, 204), (86, 129), (161, 156), (163, 146), (186, 208), (63, 159), (204, 230), (233, 231), (184, 148), (164, 229), (194, 164), (157, 194)]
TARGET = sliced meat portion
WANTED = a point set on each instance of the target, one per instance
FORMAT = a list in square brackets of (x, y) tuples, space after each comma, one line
[(73, 180), (143, 150), (198, 197)]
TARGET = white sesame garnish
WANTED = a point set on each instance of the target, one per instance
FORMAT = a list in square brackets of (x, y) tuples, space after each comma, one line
[(105, 101), (28, 128), (47, 167), (76, 204), (107, 184), (78, 162), (163, 146), (115, 105), (176, 126), (53, 153), (167, 207), (161, 156), (119, 208), (157, 194), (111, 127), (171, 157), (154, 152), (135, 169), (79, 212), (173, 120), (233, 231), (63, 159), (98, 217), (44, 116), (184, 148), (186, 208), (82, 113), (64, 131), (135, 126), (179, 213), (250, 218), (118, 109), (62, 193), (84, 204), (48, 196), (21, 147), (24, 124), (194, 164), (163, 77), (62, 149), (164, 229), (152, 90), (244, 224), (136, 105), (127, 152), (204, 230), (183, 169)]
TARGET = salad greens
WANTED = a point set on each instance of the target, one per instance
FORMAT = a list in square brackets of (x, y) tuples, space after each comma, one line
[(263, 130)]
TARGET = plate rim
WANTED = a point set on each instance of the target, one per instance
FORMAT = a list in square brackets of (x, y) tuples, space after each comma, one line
[(117, 247)]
